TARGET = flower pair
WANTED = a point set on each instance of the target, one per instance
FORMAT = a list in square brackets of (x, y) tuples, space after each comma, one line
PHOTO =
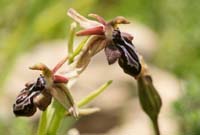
[(103, 35)]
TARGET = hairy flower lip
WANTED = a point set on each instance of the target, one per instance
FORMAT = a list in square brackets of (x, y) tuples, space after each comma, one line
[(123, 50)]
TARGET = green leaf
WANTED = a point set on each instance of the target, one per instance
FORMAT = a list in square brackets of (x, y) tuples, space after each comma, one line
[(85, 111), (94, 94)]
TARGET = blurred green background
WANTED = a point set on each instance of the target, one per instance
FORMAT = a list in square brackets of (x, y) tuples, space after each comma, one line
[(24, 23)]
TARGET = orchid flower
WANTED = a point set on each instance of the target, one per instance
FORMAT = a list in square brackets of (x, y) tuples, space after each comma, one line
[(39, 94), (107, 36)]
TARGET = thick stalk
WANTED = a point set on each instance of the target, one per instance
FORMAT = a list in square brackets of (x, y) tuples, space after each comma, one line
[(156, 126)]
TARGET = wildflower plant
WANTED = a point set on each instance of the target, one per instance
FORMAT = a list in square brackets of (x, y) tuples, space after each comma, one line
[(51, 94)]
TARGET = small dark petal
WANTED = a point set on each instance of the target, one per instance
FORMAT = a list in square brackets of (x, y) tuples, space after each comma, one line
[(112, 53), (42, 100), (129, 60)]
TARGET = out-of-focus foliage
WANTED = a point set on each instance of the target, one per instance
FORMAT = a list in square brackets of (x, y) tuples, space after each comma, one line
[(25, 23), (147, 12), (180, 38), (18, 126), (187, 108), (179, 52)]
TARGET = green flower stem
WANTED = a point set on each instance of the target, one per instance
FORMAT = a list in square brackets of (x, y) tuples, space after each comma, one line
[(42, 124), (71, 38), (78, 50), (56, 118), (156, 126)]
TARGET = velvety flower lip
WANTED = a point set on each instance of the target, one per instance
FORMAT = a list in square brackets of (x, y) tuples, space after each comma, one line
[(24, 105), (127, 48), (123, 50)]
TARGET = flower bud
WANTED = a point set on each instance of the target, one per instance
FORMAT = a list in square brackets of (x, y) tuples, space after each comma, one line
[(149, 97)]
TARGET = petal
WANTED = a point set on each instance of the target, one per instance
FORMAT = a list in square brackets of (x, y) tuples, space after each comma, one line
[(99, 18), (112, 53), (62, 94), (42, 67), (60, 79), (84, 22), (92, 47), (127, 36), (99, 30), (118, 20)]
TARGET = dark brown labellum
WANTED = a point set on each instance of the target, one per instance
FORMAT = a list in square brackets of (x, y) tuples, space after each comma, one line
[(24, 105), (129, 60), (123, 50)]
